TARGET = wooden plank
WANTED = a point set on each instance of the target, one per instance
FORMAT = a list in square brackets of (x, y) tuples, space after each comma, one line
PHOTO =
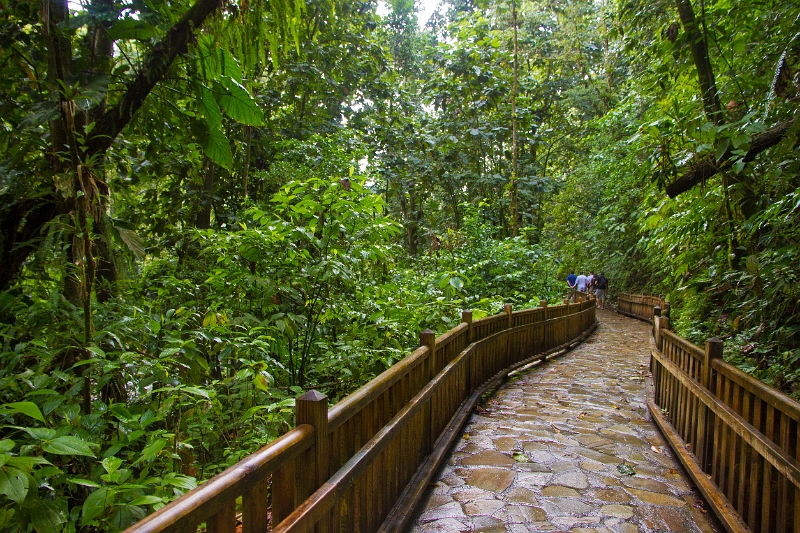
[(283, 491), (768, 499), (781, 518), (255, 508), (224, 521), (744, 461), (796, 491), (756, 472)]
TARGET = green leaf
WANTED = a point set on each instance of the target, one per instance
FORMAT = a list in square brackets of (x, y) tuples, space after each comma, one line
[(26, 408), (40, 114), (147, 500), (262, 380), (132, 240), (68, 445), (626, 470), (228, 65), (196, 391), (45, 516), (13, 483), (111, 464), (215, 144), (132, 29), (752, 264), (5, 516), (94, 505), (152, 449), (721, 148), (83, 482), (238, 103), (180, 481), (210, 108), (97, 351), (41, 433), (6, 445), (26, 462)]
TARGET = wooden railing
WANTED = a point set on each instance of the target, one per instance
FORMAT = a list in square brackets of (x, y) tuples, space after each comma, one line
[(640, 306), (737, 437), (363, 464)]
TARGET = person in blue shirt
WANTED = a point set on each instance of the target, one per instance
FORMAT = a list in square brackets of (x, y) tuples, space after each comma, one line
[(572, 281)]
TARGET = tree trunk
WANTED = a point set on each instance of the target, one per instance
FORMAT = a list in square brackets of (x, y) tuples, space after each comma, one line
[(514, 202), (705, 72), (412, 224)]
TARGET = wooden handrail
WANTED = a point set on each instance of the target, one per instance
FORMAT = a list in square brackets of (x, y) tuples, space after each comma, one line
[(641, 306), (737, 437), (203, 502), (370, 444)]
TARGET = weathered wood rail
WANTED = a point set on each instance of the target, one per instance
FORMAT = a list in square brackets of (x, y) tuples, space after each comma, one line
[(361, 465), (737, 437), (640, 306)]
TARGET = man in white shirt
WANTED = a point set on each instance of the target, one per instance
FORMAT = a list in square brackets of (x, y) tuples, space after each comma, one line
[(581, 283)]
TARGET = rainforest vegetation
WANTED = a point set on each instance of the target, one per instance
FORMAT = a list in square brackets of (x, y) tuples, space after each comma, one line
[(210, 206)]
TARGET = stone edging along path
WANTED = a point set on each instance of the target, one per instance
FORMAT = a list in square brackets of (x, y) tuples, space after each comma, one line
[(567, 447)]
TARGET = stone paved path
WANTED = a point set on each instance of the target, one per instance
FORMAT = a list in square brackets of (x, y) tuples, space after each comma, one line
[(567, 446)]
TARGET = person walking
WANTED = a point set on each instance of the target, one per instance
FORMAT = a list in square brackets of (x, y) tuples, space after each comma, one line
[(572, 282), (580, 283), (601, 282)]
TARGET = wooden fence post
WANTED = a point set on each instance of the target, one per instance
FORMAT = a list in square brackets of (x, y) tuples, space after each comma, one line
[(656, 328), (466, 317), (507, 309), (312, 408)]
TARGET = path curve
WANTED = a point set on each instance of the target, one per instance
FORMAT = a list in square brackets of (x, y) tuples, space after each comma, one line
[(567, 447)]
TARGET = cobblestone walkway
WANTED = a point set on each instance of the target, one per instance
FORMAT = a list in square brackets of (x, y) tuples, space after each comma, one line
[(567, 446)]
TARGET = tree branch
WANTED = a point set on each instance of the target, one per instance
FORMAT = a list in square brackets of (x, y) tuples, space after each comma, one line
[(708, 166), (113, 121)]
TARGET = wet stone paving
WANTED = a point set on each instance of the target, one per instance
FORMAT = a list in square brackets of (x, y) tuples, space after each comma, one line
[(567, 446)]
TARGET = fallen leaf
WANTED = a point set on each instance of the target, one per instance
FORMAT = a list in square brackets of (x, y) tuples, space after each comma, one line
[(555, 428), (656, 449), (580, 416), (466, 436), (626, 470)]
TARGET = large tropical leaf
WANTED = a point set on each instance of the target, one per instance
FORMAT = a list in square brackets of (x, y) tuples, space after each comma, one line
[(214, 143), (237, 102)]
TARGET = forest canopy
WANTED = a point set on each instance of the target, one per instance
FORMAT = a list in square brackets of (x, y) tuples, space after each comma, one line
[(208, 207)]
